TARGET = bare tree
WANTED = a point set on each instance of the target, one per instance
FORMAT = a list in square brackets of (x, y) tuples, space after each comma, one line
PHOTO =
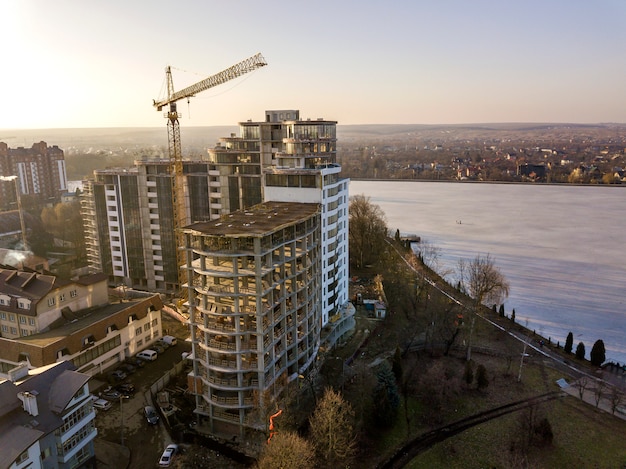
[(598, 391), (581, 384), (367, 230), (287, 450), (484, 283), (616, 398), (332, 429)]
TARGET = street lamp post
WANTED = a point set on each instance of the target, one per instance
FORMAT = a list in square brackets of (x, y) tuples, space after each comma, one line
[(122, 397), (521, 364)]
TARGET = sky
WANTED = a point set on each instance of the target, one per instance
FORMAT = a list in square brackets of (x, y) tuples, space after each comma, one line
[(86, 64)]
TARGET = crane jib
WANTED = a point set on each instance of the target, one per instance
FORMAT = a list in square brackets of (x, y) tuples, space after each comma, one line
[(230, 73)]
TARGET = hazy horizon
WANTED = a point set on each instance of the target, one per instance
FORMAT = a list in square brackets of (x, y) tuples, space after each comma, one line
[(353, 62), (397, 124)]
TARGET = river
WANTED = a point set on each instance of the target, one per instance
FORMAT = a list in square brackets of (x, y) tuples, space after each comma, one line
[(560, 247)]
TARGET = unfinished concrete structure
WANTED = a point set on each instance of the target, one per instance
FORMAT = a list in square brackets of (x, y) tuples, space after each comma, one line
[(254, 287)]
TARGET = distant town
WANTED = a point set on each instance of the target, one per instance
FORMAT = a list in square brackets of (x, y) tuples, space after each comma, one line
[(548, 153)]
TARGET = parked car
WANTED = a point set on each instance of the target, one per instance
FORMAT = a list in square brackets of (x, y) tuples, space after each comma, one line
[(110, 394), (168, 455), (151, 415), (126, 389), (162, 343), (169, 339), (158, 348), (117, 375), (147, 355), (127, 368), (101, 404), (136, 362)]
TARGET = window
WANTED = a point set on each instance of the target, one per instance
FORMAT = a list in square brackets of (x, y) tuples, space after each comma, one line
[(138, 331), (12, 317), (2, 301), (155, 322), (3, 315), (22, 457), (140, 343), (13, 331), (23, 304), (51, 301), (146, 327), (31, 321), (61, 297), (22, 320), (5, 328), (73, 293), (23, 332)]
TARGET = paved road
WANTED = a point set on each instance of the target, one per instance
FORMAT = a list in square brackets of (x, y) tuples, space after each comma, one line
[(134, 437)]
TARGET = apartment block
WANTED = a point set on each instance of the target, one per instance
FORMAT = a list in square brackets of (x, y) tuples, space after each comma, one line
[(254, 289), (296, 160), (47, 420), (129, 225), (40, 171), (45, 320)]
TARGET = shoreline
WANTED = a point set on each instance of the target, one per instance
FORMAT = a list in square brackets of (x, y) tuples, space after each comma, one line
[(513, 183)]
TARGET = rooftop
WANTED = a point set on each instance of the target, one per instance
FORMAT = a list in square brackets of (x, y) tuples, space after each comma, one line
[(77, 320), (257, 221)]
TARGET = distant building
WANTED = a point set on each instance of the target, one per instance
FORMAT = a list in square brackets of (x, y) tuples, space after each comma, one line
[(534, 171), (40, 171), (47, 420)]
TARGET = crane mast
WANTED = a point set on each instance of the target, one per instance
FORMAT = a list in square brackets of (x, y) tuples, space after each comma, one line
[(179, 215)]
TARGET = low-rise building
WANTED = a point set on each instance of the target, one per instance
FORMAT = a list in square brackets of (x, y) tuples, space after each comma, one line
[(57, 320), (47, 420)]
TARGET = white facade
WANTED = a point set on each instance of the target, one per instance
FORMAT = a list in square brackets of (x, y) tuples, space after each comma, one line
[(333, 197)]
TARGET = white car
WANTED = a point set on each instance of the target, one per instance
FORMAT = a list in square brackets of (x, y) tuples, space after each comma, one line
[(168, 455), (102, 404)]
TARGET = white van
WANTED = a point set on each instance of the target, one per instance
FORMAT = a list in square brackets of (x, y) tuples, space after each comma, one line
[(148, 355), (169, 339)]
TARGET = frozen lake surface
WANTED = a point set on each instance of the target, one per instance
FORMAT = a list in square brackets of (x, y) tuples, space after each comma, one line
[(560, 247)]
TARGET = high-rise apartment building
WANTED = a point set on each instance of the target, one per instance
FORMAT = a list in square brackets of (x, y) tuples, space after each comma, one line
[(298, 163), (265, 280), (129, 224), (128, 212), (40, 172), (254, 288)]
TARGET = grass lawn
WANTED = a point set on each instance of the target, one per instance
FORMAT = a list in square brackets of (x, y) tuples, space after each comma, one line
[(583, 438)]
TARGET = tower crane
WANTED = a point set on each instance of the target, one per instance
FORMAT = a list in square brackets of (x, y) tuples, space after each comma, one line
[(173, 138)]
